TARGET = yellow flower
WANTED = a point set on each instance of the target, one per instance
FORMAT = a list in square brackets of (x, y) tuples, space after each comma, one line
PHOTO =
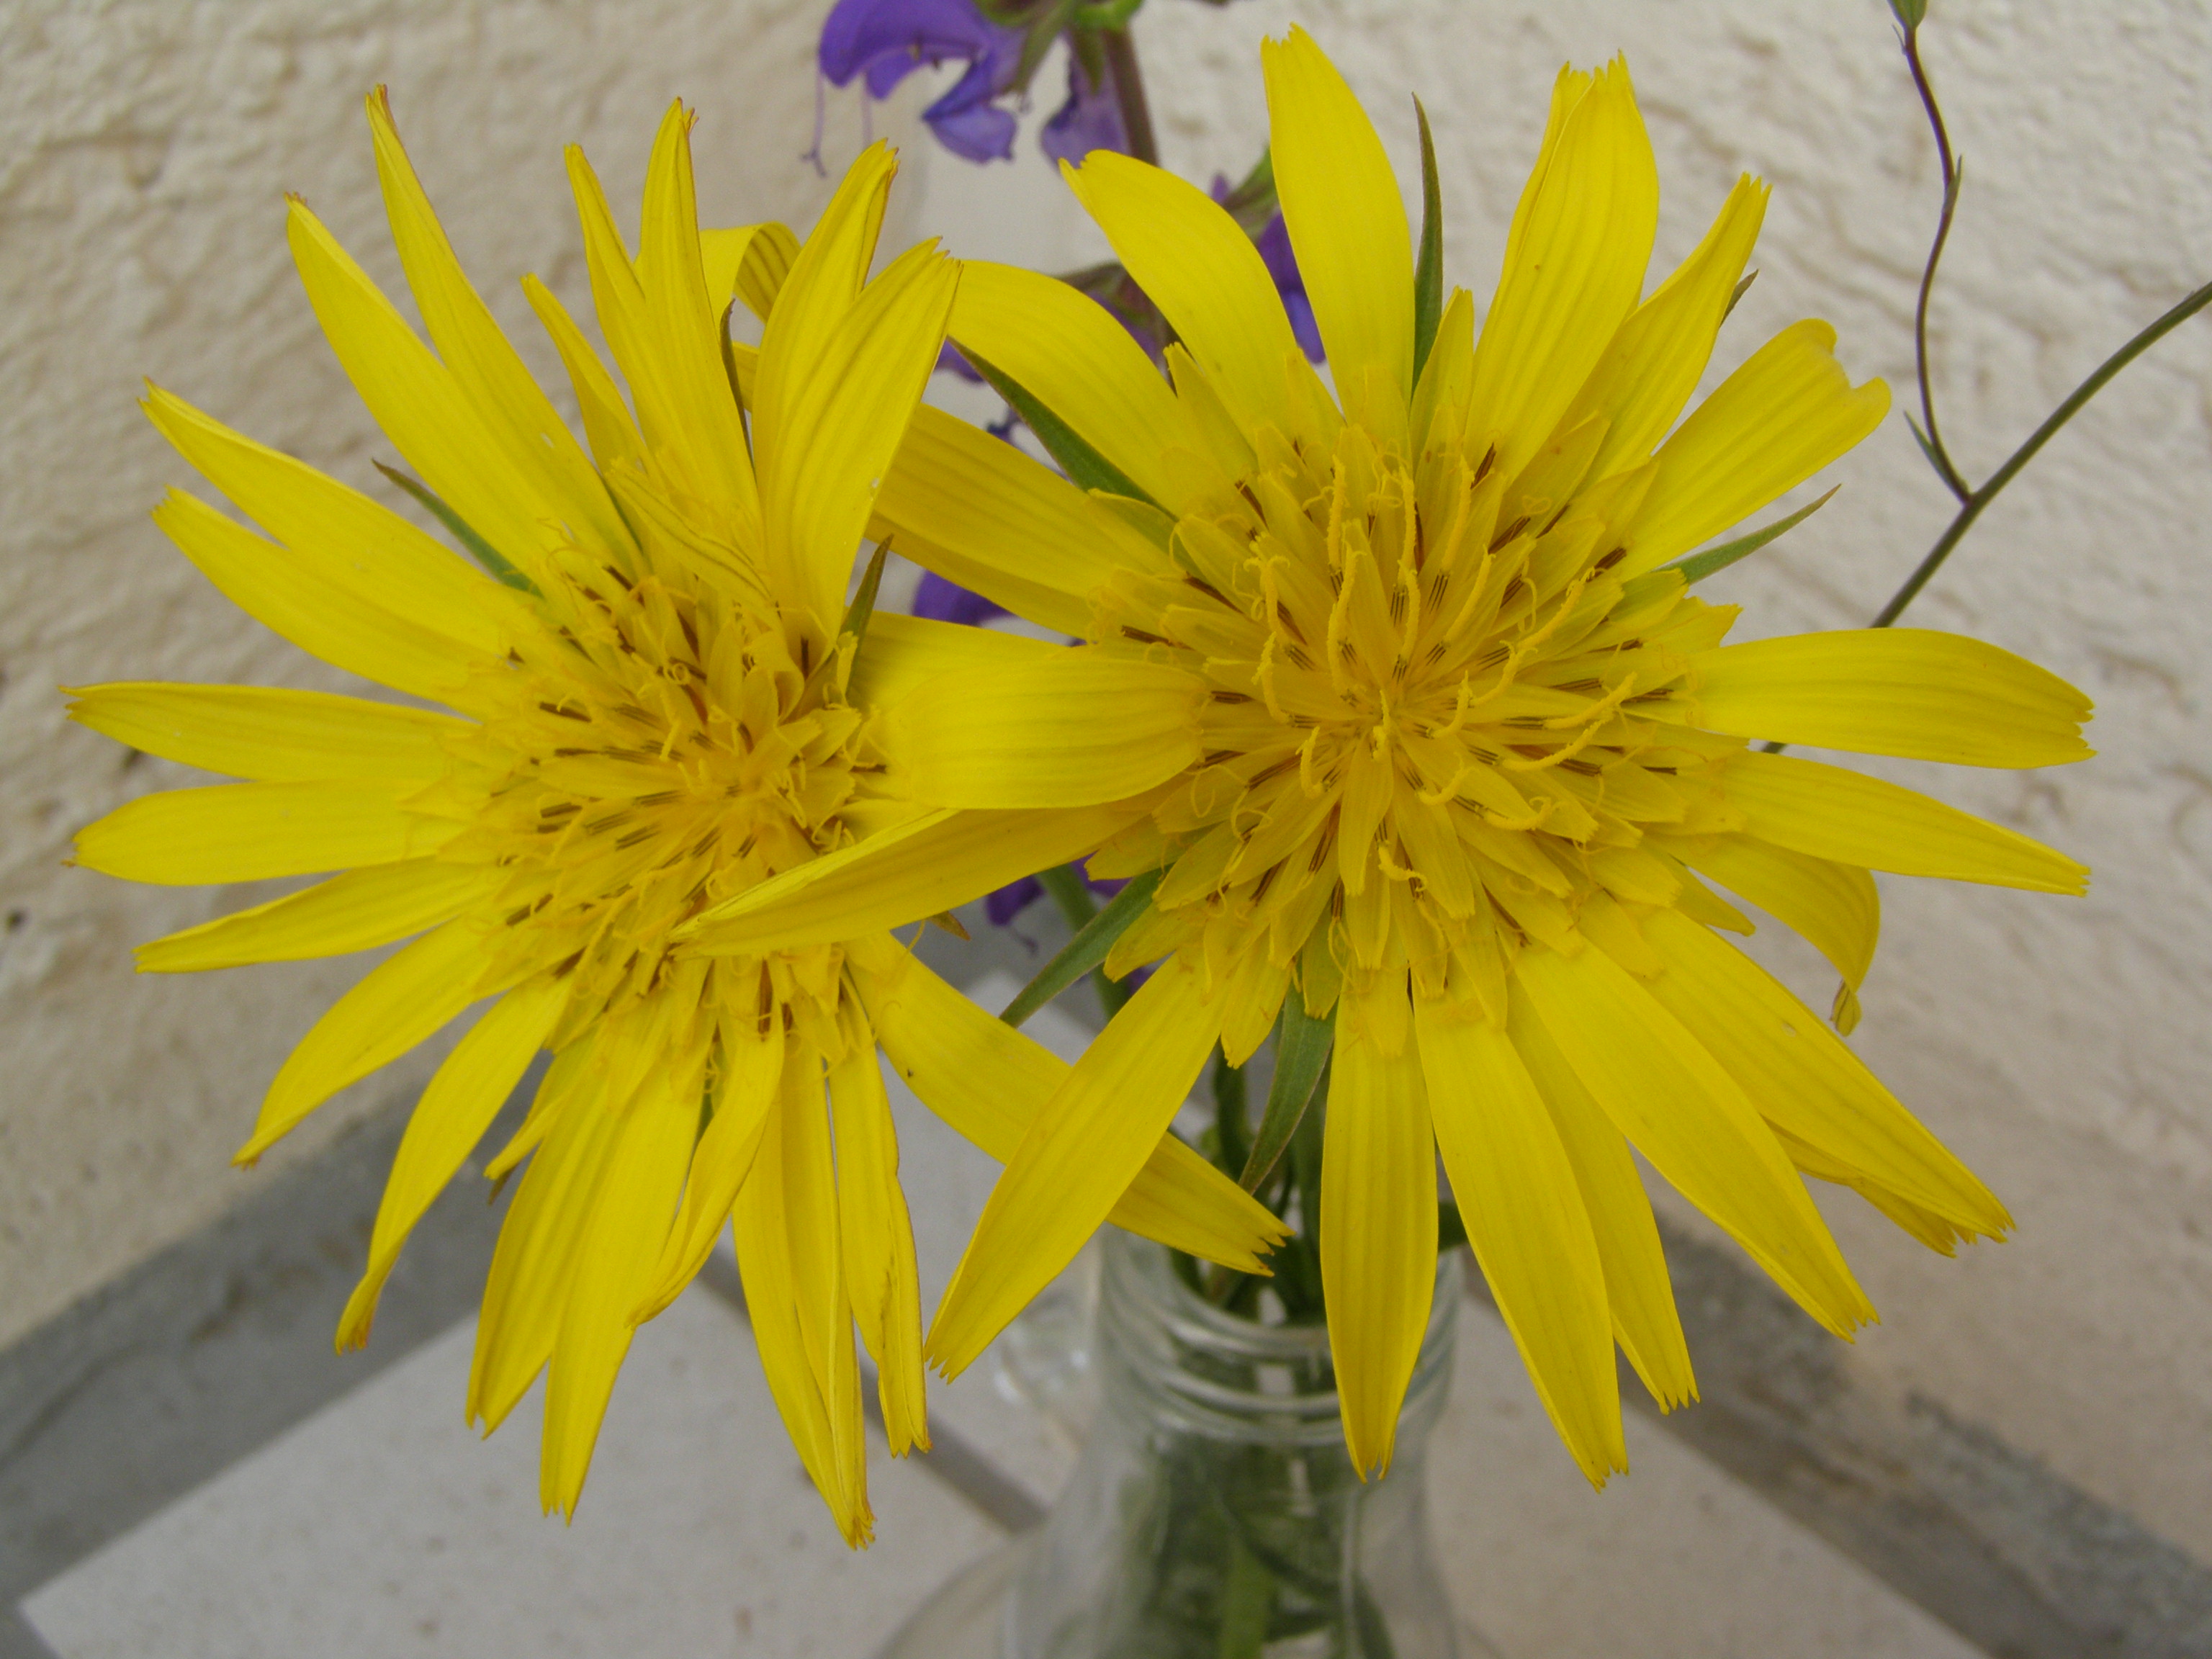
[(1398, 691), (656, 706)]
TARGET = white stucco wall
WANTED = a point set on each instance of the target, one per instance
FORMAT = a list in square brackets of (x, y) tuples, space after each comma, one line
[(2056, 1043)]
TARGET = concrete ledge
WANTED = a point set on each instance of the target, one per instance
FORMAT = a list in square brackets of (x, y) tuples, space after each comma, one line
[(2016, 1560), (207, 1350)]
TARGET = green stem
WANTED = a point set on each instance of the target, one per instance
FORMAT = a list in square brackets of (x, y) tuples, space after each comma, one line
[(1938, 457), (1129, 92), (1979, 498), (1073, 894)]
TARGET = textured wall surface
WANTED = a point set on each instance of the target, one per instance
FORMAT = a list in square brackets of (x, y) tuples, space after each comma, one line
[(2054, 1042)]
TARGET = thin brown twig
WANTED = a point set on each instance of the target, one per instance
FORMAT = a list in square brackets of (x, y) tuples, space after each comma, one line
[(1931, 441), (1129, 92)]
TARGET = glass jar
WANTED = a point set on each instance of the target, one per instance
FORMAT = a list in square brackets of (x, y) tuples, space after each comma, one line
[(1214, 1513)]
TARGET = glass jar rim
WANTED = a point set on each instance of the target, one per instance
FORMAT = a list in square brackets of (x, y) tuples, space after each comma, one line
[(1180, 1350)]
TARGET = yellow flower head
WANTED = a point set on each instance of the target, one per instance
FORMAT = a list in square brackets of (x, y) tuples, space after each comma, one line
[(1399, 690), (663, 700)]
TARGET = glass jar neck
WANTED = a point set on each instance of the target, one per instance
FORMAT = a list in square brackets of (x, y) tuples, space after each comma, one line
[(1201, 1370)]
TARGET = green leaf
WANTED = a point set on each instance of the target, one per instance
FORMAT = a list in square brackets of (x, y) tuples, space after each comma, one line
[(1741, 288), (1429, 267), (1927, 450), (1301, 1050), (1252, 204), (1910, 13), (863, 607), (1104, 13), (1696, 567), (1451, 1226), (1230, 1132), (1085, 467), (1248, 1604), (1086, 949), (482, 550)]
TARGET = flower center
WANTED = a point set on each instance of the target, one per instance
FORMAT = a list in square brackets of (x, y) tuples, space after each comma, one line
[(653, 749), (1433, 699)]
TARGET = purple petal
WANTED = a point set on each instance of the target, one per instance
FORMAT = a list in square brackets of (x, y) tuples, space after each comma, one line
[(976, 129), (891, 39), (1090, 119), (939, 601), (887, 40), (949, 361), (1275, 251), (1009, 901), (1304, 328)]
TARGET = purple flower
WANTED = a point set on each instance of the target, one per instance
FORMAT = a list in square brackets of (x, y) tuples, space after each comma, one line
[(1002, 907), (886, 41), (1090, 119), (949, 361), (1274, 244), (939, 601), (1009, 901)]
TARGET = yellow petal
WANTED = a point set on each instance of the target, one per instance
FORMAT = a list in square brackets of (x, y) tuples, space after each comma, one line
[(1574, 263), (1681, 1111), (1378, 1233), (745, 1096), (1804, 1081), (1204, 273), (801, 390), (989, 1081), (358, 910), (514, 412), (1067, 351), (252, 831), (683, 323), (1832, 813), (1074, 729), (1637, 1286), (878, 1234), (270, 734), (620, 1236), (935, 862), (1524, 1214), (399, 1002), (1909, 691), (764, 1261), (449, 1119), (832, 264), (1346, 218), (826, 446), (1649, 372), (303, 596), (416, 401), (366, 551), (1079, 1154), (679, 410), (902, 653), (527, 1288), (748, 264), (1834, 907), (979, 512), (1788, 412), (608, 423), (818, 1276)]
